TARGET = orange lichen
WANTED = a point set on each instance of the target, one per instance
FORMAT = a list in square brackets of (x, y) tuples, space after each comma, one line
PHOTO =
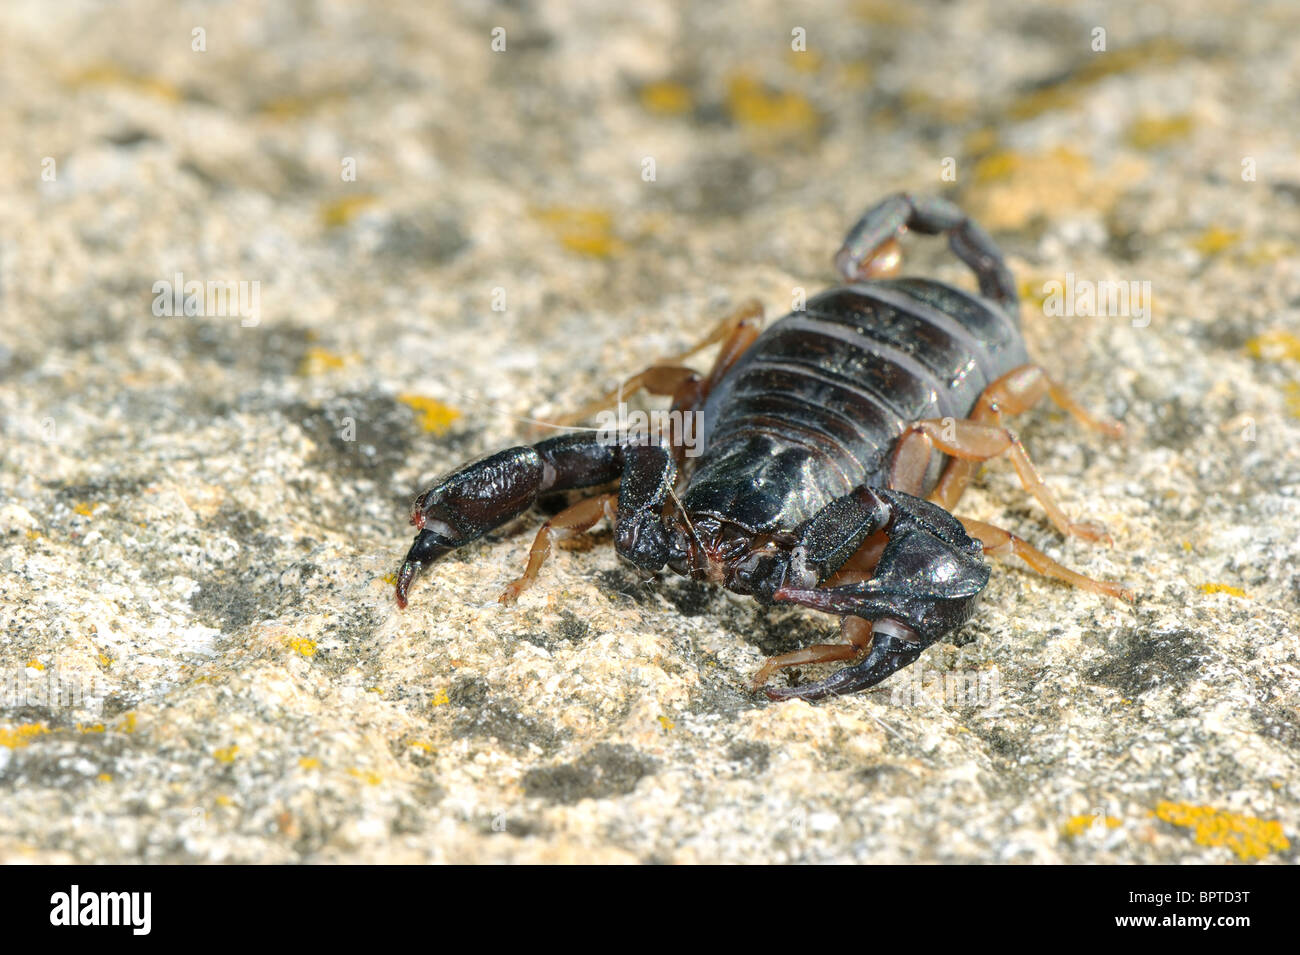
[(1250, 838)]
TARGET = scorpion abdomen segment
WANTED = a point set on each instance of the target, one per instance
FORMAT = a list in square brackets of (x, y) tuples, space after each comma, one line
[(828, 390)]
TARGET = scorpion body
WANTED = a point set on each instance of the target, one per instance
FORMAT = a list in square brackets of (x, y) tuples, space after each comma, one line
[(814, 408), (835, 445)]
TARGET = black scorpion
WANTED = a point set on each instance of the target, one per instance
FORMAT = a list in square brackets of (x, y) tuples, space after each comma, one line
[(835, 445)]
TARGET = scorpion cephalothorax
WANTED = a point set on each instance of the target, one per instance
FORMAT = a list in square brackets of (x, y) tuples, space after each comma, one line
[(835, 445)]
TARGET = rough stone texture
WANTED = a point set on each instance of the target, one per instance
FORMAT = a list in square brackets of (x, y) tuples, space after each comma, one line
[(191, 543)]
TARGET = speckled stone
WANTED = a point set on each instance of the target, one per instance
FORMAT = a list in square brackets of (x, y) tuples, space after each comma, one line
[(200, 658)]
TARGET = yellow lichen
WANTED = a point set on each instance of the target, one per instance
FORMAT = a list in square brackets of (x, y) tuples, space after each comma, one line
[(84, 509), (1101, 64), (666, 723), (1002, 164), (856, 74), (919, 103), (1223, 589), (883, 12), (105, 660), (1214, 240), (302, 645), (108, 74), (35, 664), (339, 212), (667, 98), (226, 755), (309, 762), (1078, 825), (224, 801), (105, 777), (754, 106), (367, 776), (584, 230), (1275, 345), (1292, 393), (805, 61), (129, 721), (441, 699), (17, 737), (1250, 838), (318, 360), (1155, 132), (435, 417)]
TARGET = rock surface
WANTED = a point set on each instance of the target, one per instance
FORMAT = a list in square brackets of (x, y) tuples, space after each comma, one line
[(200, 654)]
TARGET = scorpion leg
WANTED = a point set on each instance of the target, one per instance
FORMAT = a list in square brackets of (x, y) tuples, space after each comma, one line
[(855, 631), (682, 383), (871, 247), (1014, 393), (977, 442), (857, 637), (572, 520), (923, 587), (737, 331), (1000, 543)]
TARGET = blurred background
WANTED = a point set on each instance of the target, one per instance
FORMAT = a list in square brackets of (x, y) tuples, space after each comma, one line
[(427, 221)]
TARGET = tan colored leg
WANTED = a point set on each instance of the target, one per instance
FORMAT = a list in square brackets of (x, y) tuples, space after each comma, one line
[(1000, 543), (683, 384), (748, 312), (971, 441), (572, 520), (856, 632), (1014, 393), (737, 331)]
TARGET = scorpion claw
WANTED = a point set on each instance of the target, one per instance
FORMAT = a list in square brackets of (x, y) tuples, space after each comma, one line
[(892, 648), (426, 549)]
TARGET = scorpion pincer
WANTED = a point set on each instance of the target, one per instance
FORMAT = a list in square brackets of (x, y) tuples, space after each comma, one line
[(835, 445)]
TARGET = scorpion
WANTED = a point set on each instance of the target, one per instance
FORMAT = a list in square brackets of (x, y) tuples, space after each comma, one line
[(835, 445)]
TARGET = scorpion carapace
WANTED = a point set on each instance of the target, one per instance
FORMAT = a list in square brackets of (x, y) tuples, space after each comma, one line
[(834, 446)]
